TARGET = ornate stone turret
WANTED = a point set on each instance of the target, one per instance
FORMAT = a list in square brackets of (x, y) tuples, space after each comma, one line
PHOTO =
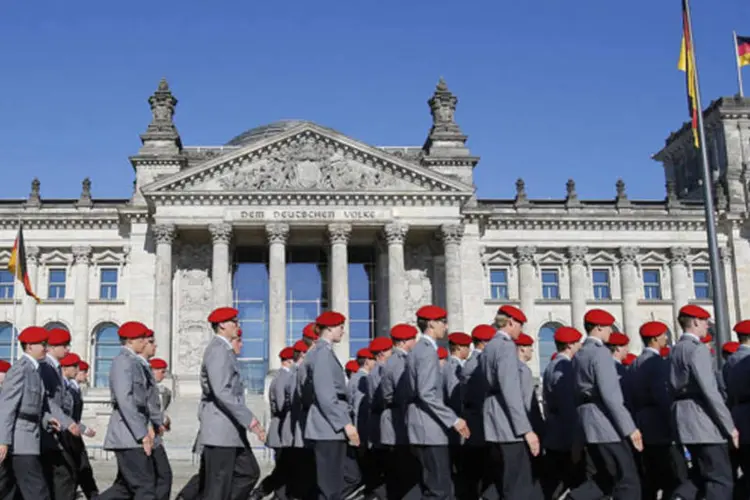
[(445, 148)]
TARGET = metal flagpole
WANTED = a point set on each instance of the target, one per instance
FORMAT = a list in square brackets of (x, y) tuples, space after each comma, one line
[(737, 63), (720, 307), (14, 331)]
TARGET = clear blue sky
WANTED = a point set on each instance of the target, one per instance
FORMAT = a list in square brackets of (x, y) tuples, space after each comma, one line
[(548, 89)]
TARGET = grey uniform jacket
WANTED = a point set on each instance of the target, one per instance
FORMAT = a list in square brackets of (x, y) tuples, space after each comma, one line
[(324, 393), (474, 392), (58, 399), (74, 405), (224, 416), (698, 411), (23, 408), (393, 419), (452, 391), (601, 409), (625, 376), (652, 401), (561, 427), (504, 412), (279, 406), (128, 387), (530, 400), (376, 404), (738, 390), (721, 381), (155, 412), (287, 423), (428, 418), (357, 397), (299, 411)]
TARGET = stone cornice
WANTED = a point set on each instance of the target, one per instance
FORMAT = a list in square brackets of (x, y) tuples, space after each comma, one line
[(60, 221), (560, 223)]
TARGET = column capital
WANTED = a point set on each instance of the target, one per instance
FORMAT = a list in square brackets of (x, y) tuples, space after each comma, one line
[(525, 254), (451, 233), (164, 233), (679, 255), (277, 232), (32, 255), (82, 254), (339, 232), (726, 254), (220, 232), (628, 255), (395, 232), (577, 255)]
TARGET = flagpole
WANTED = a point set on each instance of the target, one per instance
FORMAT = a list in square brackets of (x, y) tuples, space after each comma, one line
[(15, 330), (737, 63), (720, 308)]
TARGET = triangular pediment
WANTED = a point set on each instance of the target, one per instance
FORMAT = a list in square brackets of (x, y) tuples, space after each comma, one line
[(307, 158)]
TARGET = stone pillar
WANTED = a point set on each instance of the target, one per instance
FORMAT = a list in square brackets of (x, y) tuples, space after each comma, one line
[(451, 235), (381, 289), (681, 285), (579, 285), (726, 261), (630, 286), (221, 235), (277, 236), (528, 290), (395, 235), (29, 304), (164, 235), (338, 235), (80, 334)]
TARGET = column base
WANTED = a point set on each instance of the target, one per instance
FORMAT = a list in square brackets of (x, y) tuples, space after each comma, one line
[(188, 386)]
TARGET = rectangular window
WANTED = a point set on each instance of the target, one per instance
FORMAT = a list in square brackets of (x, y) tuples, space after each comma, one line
[(108, 283), (702, 283), (56, 289), (6, 284), (602, 290), (499, 284), (550, 284), (652, 284)]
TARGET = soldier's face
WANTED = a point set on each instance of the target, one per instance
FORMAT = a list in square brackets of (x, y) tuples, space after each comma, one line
[(337, 333), (2, 378), (81, 377), (159, 374), (439, 327), (37, 351), (149, 349), (237, 345), (59, 351), (70, 372)]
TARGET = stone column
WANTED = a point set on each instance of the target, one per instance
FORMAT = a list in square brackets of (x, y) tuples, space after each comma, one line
[(451, 235), (29, 304), (338, 235), (579, 284), (395, 235), (164, 235), (726, 261), (528, 289), (80, 334), (221, 235), (630, 285), (277, 236), (681, 285)]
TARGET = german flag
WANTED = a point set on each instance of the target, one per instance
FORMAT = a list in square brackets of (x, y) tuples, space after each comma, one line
[(687, 64), (743, 50), (17, 263)]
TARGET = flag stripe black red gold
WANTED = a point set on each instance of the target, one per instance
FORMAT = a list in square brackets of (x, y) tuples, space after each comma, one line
[(687, 64), (17, 263), (743, 50)]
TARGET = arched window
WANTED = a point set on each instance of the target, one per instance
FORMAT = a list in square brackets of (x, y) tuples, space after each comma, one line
[(56, 324), (8, 350), (106, 347), (547, 343)]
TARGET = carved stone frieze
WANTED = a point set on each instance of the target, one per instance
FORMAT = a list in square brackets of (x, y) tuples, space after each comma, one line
[(221, 232), (628, 255), (526, 255), (577, 255), (195, 298), (395, 233), (82, 254), (277, 232), (451, 234), (339, 233), (679, 255), (164, 233)]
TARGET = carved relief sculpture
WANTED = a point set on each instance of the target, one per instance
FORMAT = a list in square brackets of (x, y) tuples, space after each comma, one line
[(195, 298), (418, 287)]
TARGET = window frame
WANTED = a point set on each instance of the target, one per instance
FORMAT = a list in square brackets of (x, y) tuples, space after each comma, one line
[(56, 285), (598, 285), (109, 285), (545, 286), (7, 288), (657, 285), (707, 284), (499, 285)]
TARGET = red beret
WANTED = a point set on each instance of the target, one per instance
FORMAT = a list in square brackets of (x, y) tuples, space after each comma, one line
[(58, 336), (599, 317), (239, 332), (149, 333), (664, 351), (512, 312), (330, 319), (352, 366), (157, 364), (618, 339), (380, 344), (567, 335), (402, 331), (743, 327), (629, 359), (712, 351), (442, 352), (708, 338), (4, 366), (310, 332), (70, 359), (33, 335), (300, 346), (730, 347), (432, 313), (459, 338), (483, 333), (365, 353), (554, 355), (222, 314), (524, 340), (653, 329), (83, 366), (286, 353), (694, 311), (132, 330)]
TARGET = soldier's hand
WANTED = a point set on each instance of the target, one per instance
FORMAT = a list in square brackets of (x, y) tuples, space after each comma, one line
[(462, 428), (151, 434), (54, 424), (167, 422), (736, 438), (3, 452), (148, 444), (533, 441), (74, 430), (161, 430), (258, 430), (637, 440), (89, 432), (351, 434)]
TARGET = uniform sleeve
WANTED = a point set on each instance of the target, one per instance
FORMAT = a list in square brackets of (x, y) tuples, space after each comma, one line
[(429, 391), (660, 389), (50, 381), (273, 401), (219, 372), (121, 384), (610, 392), (700, 363), (510, 388), (10, 400), (156, 415), (334, 410)]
